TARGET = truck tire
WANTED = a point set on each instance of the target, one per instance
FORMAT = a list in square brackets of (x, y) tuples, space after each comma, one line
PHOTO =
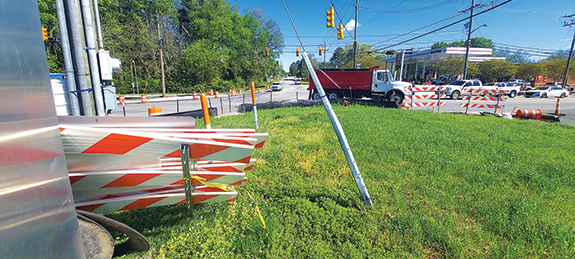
[(315, 95), (395, 96), (544, 95), (512, 94), (333, 95), (455, 95)]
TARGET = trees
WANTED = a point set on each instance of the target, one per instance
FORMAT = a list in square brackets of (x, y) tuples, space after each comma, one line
[(492, 70), (204, 43), (530, 71), (478, 42)]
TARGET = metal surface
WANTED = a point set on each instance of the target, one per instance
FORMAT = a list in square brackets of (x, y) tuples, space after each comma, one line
[(90, 33), (37, 215), (340, 135), (67, 54)]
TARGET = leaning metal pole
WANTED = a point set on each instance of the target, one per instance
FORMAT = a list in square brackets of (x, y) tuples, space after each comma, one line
[(340, 134)]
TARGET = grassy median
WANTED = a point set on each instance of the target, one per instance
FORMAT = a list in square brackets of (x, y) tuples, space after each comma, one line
[(443, 185)]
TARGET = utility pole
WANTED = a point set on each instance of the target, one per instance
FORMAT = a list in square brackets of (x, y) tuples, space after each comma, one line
[(355, 36), (468, 42), (324, 53), (162, 63), (569, 23)]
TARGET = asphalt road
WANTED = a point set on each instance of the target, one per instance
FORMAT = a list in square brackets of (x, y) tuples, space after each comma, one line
[(228, 105)]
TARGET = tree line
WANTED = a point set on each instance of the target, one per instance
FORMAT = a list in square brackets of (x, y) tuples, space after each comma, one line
[(205, 44)]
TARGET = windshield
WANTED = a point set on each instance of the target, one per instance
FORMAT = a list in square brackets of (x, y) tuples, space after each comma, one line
[(458, 82), (543, 88)]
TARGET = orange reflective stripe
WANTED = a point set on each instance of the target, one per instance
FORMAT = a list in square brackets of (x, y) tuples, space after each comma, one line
[(116, 144), (130, 180)]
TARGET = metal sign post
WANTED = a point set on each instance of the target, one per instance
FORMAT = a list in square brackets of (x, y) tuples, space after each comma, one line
[(340, 134)]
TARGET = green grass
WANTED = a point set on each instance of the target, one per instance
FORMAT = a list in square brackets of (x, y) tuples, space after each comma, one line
[(443, 185)]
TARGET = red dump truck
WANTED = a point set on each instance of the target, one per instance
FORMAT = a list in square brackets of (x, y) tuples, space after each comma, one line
[(374, 83)]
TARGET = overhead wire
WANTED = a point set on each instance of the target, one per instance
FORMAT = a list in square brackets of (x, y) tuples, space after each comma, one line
[(413, 10), (443, 27)]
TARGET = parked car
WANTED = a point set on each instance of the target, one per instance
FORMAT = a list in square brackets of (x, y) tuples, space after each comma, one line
[(547, 91), (523, 86), (276, 86), (455, 88), (560, 84)]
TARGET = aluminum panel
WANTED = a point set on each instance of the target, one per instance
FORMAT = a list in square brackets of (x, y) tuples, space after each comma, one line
[(37, 215)]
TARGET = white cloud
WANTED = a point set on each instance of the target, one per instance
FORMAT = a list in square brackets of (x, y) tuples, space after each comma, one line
[(350, 26)]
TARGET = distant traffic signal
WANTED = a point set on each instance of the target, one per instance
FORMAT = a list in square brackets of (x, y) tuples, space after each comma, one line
[(45, 33), (330, 19), (320, 51), (340, 32), (297, 52), (267, 52)]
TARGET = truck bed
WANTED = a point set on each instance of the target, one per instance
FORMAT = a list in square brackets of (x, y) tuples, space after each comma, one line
[(356, 79)]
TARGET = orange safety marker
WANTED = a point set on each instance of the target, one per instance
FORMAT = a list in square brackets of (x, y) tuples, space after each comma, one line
[(206, 111), (529, 114), (195, 95), (144, 99), (154, 111), (211, 92), (217, 94), (252, 87), (557, 106), (122, 99)]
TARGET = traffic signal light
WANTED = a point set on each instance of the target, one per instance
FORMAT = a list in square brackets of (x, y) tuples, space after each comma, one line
[(45, 33), (340, 32), (297, 52), (267, 52), (320, 51), (330, 19)]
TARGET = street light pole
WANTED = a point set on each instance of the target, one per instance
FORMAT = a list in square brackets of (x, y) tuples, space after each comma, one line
[(355, 36), (136, 76)]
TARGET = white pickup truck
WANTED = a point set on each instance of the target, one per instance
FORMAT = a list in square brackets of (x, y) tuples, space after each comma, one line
[(455, 88), (504, 88)]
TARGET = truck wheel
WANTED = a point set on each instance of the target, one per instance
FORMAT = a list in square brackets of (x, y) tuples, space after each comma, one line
[(315, 95), (562, 95), (395, 97), (455, 95), (332, 95), (544, 95), (512, 94)]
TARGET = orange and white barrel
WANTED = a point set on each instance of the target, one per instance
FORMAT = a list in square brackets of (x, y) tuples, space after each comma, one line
[(122, 99), (154, 111), (144, 98), (529, 114), (217, 94), (195, 95), (211, 92)]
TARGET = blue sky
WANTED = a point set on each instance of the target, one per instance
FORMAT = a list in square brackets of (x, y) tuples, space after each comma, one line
[(532, 25)]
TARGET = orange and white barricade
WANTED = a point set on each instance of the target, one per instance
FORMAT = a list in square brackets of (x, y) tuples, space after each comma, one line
[(114, 169), (425, 96), (480, 102)]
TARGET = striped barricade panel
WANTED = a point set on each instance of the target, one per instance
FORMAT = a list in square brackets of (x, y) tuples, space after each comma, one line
[(81, 140), (142, 200), (484, 98), (425, 96), (421, 88), (429, 104), (85, 185), (482, 106)]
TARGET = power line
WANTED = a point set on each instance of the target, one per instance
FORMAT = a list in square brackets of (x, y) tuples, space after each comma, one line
[(446, 26), (413, 10)]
